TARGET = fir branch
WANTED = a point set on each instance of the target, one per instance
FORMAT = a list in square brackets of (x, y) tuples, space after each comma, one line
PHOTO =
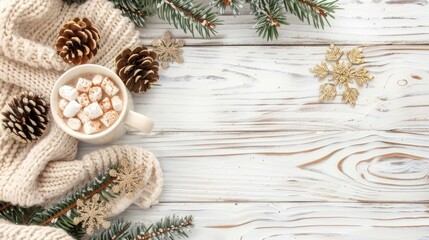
[(119, 229), (167, 228), (4, 205), (320, 10), (189, 16), (222, 5), (62, 213), (77, 231), (16, 214), (73, 201), (138, 13), (269, 16), (136, 10), (312, 11), (69, 2), (185, 14)]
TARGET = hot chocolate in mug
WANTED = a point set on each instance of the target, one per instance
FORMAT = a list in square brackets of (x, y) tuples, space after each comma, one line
[(127, 117)]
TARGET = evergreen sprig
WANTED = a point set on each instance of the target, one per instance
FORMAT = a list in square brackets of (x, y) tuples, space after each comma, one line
[(119, 229), (136, 10), (312, 11), (222, 5), (192, 17), (62, 213), (269, 17), (16, 214), (189, 16), (169, 228), (74, 1)]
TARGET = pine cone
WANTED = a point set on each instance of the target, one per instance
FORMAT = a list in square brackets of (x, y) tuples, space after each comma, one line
[(27, 117), (137, 68), (77, 41)]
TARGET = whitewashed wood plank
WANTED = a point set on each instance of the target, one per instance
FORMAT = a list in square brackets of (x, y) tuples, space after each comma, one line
[(290, 166), (270, 88), (298, 221), (359, 22)]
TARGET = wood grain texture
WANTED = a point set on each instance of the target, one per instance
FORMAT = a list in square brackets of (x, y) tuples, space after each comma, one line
[(270, 88), (358, 22), (364, 166), (247, 148), (298, 221)]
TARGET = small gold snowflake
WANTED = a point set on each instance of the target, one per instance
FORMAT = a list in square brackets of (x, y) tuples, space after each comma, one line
[(343, 74), (128, 179), (92, 213), (168, 49)]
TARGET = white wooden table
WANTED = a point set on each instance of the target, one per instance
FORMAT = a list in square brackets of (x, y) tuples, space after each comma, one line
[(247, 148)]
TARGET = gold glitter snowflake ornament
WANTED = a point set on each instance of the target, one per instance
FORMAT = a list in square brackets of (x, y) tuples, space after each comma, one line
[(128, 179), (168, 49), (343, 74), (92, 213)]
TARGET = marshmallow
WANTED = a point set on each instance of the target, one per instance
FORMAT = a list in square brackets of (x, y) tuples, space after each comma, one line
[(92, 127), (83, 99), (69, 93), (62, 104), (96, 81), (72, 109), (109, 118), (83, 85), (93, 110), (117, 103), (74, 124), (95, 94), (84, 118), (105, 104), (109, 87)]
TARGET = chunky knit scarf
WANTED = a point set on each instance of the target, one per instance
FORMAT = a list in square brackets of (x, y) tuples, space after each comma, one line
[(40, 172)]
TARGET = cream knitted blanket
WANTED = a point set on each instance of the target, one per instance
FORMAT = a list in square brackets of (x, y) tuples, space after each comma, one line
[(40, 172)]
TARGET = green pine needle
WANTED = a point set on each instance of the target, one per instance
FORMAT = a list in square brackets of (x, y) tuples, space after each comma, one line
[(314, 12), (189, 16), (69, 2), (168, 228), (62, 213), (235, 5), (119, 229), (16, 214), (136, 10), (269, 17), (185, 14)]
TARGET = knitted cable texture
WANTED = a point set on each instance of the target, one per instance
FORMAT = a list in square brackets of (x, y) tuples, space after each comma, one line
[(9, 231), (41, 172)]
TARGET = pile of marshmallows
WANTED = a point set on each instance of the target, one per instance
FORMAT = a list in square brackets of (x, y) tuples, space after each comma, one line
[(85, 105)]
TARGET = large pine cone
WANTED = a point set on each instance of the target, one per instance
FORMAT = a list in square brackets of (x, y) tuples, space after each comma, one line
[(137, 68), (27, 117), (77, 41)]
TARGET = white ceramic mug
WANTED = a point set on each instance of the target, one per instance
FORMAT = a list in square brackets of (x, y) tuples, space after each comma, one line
[(127, 117)]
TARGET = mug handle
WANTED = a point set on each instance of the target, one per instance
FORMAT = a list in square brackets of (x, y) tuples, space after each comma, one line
[(139, 122)]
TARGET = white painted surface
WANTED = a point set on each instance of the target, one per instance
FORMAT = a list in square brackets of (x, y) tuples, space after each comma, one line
[(249, 151), (301, 221)]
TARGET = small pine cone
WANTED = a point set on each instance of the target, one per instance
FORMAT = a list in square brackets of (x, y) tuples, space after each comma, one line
[(137, 68), (77, 41), (27, 117)]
